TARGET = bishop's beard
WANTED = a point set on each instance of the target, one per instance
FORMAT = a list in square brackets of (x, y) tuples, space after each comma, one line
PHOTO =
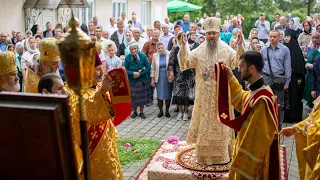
[(212, 46), (11, 87)]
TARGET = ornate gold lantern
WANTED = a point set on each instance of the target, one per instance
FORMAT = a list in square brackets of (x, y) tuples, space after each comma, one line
[(78, 59)]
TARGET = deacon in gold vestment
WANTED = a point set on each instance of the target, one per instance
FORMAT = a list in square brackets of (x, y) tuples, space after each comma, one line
[(48, 63), (307, 136), (213, 140), (256, 153), (103, 136), (9, 81)]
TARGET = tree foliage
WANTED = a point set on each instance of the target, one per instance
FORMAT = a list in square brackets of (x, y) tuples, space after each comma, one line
[(249, 9)]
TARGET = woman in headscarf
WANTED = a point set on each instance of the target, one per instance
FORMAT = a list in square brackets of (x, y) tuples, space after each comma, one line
[(296, 86), (138, 69), (294, 24), (183, 82), (305, 37), (160, 78), (253, 33), (173, 40), (127, 41), (11, 48), (314, 44), (191, 40), (27, 57)]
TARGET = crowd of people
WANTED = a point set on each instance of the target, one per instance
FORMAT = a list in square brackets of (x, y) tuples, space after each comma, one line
[(173, 62), (150, 56)]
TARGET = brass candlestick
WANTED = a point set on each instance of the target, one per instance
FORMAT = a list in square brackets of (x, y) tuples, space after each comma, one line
[(78, 58)]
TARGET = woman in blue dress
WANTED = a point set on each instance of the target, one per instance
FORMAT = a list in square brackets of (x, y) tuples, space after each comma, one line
[(160, 78)]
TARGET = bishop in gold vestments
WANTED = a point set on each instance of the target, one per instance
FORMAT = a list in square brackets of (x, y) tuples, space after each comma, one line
[(48, 63), (213, 140), (307, 136)]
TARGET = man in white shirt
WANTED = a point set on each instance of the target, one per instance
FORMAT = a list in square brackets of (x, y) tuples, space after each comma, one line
[(95, 22), (124, 18), (91, 28), (118, 36), (104, 42), (166, 36), (137, 38), (147, 35), (170, 25), (112, 27)]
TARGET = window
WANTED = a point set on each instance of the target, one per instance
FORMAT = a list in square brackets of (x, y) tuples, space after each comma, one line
[(118, 7), (84, 14), (146, 13)]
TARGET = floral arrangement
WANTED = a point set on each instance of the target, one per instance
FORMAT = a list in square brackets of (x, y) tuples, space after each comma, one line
[(173, 140), (127, 145)]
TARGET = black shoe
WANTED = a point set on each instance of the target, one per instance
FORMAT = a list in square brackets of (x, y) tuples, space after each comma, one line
[(134, 115), (160, 114), (149, 104), (167, 114), (142, 116), (176, 109)]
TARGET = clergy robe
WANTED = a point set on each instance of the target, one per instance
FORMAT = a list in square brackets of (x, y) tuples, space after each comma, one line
[(308, 142), (213, 140), (252, 158), (103, 135), (31, 83)]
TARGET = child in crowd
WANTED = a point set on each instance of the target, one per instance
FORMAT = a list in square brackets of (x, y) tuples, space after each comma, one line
[(113, 61)]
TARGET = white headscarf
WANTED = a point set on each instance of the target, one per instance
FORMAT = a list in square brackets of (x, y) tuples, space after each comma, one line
[(31, 50)]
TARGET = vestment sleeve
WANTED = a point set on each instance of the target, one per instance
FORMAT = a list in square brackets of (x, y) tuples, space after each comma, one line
[(99, 107), (187, 59), (252, 151), (238, 95)]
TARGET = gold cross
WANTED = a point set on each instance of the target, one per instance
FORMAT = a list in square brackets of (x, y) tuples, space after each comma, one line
[(224, 116)]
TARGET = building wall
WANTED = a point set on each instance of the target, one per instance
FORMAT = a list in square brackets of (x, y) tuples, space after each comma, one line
[(103, 9), (133, 6), (158, 10), (12, 16)]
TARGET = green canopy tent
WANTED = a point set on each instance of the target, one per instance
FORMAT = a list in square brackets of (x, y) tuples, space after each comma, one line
[(180, 6)]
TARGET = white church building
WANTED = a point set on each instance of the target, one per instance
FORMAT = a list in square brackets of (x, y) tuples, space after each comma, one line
[(21, 15)]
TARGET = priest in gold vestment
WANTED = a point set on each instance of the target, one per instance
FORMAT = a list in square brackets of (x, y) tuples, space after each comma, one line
[(213, 140), (307, 138), (103, 136), (256, 154), (9, 81), (48, 63)]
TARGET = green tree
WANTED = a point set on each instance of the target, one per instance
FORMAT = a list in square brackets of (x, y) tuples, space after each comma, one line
[(193, 14)]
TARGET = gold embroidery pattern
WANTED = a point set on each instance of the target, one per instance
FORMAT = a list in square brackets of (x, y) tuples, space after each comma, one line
[(213, 139), (104, 159), (223, 115)]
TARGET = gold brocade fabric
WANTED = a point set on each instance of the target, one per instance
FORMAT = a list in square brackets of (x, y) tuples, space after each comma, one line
[(213, 139), (307, 144), (31, 84), (105, 164), (258, 131)]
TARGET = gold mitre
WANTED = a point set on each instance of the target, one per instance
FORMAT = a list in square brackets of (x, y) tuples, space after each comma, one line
[(7, 63), (48, 50), (211, 24)]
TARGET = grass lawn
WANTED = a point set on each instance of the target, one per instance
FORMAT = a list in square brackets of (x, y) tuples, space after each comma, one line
[(139, 150)]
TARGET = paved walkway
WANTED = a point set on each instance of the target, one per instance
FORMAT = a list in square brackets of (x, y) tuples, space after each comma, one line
[(161, 128)]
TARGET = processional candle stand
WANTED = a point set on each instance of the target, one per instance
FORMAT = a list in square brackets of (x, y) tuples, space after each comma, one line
[(78, 59)]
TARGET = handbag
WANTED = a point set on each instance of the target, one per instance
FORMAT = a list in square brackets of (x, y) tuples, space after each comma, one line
[(191, 95), (279, 86)]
